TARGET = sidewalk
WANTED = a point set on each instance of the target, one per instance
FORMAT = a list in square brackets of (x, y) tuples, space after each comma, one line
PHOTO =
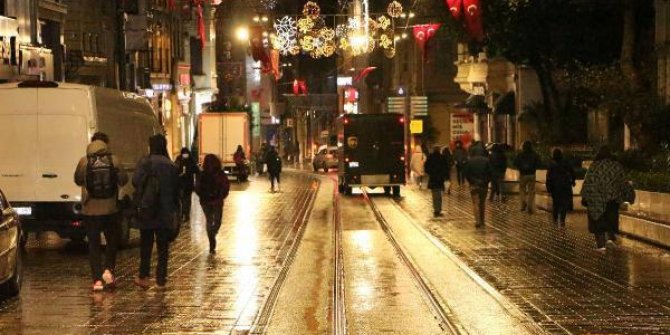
[(554, 274)]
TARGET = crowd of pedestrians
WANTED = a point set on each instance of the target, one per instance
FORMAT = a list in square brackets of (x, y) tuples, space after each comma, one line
[(604, 191), (161, 202)]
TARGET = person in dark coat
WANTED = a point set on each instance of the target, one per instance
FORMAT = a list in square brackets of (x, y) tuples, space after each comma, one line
[(460, 159), (477, 171), (436, 168), (161, 228), (527, 161), (560, 180), (187, 168), (240, 159), (449, 163), (212, 187), (498, 169), (274, 165), (602, 195)]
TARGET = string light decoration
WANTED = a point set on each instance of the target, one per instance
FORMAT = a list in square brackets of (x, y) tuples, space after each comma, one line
[(269, 4), (394, 9), (310, 34)]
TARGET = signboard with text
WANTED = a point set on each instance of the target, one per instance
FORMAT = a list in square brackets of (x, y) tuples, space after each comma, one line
[(462, 127)]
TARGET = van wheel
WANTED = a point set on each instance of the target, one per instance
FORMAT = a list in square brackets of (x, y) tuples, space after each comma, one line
[(315, 168), (348, 190), (325, 168), (387, 190), (12, 286)]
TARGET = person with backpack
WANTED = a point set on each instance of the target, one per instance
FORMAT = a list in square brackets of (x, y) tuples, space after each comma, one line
[(560, 180), (157, 203), (460, 158), (99, 174), (527, 161), (187, 169), (274, 165), (212, 187)]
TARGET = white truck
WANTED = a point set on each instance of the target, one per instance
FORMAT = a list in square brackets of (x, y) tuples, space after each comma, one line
[(220, 134), (44, 130)]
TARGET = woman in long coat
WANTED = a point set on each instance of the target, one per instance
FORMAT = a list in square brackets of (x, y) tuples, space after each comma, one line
[(602, 195)]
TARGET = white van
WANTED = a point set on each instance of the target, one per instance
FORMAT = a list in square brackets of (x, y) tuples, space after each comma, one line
[(44, 130)]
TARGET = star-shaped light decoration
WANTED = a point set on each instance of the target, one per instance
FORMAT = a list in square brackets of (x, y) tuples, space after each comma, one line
[(394, 9)]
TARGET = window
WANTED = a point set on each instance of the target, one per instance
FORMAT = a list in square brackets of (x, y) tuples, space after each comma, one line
[(2, 8)]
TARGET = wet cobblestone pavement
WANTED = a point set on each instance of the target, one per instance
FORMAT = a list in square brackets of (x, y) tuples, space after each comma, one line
[(205, 294), (554, 274)]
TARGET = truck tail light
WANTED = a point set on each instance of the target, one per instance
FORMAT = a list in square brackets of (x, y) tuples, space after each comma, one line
[(402, 120), (346, 120), (402, 158)]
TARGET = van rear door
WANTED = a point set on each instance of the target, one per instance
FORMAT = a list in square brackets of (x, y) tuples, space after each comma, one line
[(62, 140), (18, 143)]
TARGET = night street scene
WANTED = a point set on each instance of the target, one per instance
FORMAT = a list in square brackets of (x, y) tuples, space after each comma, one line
[(280, 167)]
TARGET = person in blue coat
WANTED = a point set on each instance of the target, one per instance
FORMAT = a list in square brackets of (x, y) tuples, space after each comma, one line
[(159, 227)]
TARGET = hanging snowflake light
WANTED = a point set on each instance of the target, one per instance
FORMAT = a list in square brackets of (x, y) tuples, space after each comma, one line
[(341, 31), (305, 24), (394, 9), (311, 10), (269, 4), (307, 43), (384, 22), (327, 34), (286, 27), (389, 53)]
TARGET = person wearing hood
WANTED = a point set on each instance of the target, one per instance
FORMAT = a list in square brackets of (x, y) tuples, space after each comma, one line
[(498, 168), (274, 165), (416, 165), (602, 194), (100, 176), (187, 169), (160, 226), (478, 172), (437, 170), (527, 161)]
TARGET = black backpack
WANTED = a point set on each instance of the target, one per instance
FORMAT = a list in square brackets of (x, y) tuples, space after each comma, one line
[(147, 195), (101, 177)]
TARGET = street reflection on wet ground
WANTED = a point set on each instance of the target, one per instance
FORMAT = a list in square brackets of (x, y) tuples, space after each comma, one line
[(205, 293), (554, 274)]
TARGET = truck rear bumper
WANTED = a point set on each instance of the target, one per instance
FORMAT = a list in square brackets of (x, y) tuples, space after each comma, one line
[(63, 218)]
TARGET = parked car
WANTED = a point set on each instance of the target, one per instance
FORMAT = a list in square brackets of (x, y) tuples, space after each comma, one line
[(10, 251), (325, 158)]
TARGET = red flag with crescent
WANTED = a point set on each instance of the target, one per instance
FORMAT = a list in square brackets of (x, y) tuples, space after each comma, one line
[(455, 7), (423, 33), (473, 19)]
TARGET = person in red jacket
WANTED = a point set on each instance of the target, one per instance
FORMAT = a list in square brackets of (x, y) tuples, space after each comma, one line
[(212, 186)]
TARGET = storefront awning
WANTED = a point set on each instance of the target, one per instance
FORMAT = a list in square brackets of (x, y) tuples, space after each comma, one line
[(474, 104), (505, 104)]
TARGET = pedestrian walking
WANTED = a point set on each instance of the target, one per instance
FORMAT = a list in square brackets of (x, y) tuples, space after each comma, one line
[(449, 163), (274, 168), (212, 187), (477, 171), (437, 169), (157, 199), (527, 161), (560, 180), (99, 174), (604, 190), (416, 165), (187, 169), (240, 159), (460, 158), (498, 168)]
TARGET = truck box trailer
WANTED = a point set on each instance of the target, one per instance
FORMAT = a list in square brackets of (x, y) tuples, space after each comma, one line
[(220, 134)]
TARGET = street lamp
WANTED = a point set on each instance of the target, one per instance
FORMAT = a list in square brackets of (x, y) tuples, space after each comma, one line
[(242, 34)]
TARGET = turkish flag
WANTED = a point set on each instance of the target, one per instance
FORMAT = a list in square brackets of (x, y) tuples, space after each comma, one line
[(455, 7), (423, 33), (299, 87), (201, 26), (473, 19)]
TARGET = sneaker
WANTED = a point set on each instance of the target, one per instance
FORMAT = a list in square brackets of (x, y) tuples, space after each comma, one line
[(108, 278), (160, 283), (603, 249), (98, 286), (144, 283), (611, 242), (212, 252)]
